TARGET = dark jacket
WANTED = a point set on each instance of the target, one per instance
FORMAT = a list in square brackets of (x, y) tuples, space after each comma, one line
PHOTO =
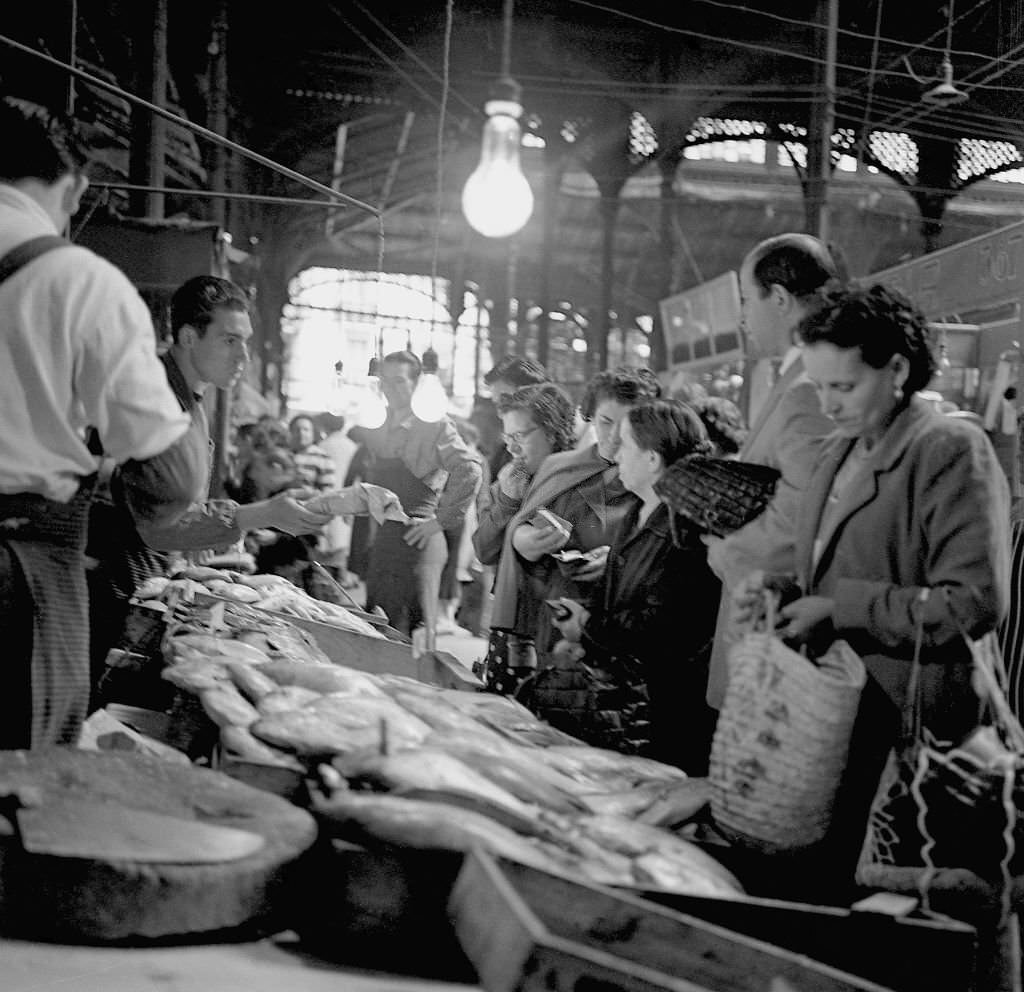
[(647, 645)]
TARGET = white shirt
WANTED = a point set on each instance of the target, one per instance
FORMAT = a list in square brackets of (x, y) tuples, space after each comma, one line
[(77, 349)]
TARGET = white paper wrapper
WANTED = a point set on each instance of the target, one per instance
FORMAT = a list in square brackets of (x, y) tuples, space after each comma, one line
[(363, 498)]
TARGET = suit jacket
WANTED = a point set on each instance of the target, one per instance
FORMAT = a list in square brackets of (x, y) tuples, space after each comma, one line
[(930, 510), (787, 435)]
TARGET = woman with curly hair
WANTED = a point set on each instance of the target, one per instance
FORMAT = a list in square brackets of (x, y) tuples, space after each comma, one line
[(582, 487), (902, 536)]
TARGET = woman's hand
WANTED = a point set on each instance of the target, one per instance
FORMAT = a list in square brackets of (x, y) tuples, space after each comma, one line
[(514, 480), (535, 542), (804, 616), (748, 599), (571, 628), (593, 570)]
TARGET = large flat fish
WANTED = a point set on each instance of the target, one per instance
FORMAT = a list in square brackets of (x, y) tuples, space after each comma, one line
[(427, 769), (617, 772), (365, 818), (660, 858), (510, 767), (678, 803)]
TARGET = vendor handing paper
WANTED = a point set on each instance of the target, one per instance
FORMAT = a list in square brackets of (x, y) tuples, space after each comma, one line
[(363, 498)]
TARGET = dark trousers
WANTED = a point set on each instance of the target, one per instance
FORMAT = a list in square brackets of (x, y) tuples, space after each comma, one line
[(16, 633)]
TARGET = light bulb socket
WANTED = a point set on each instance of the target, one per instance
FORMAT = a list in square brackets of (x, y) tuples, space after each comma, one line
[(506, 90), (339, 367), (429, 361), (374, 367)]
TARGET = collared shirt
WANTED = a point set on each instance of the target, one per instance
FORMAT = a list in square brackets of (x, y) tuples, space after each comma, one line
[(77, 349), (438, 457)]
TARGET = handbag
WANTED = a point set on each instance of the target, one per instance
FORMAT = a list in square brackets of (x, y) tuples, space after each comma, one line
[(716, 495), (782, 737), (945, 815)]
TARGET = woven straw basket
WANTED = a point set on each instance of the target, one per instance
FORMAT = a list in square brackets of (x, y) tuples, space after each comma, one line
[(781, 742)]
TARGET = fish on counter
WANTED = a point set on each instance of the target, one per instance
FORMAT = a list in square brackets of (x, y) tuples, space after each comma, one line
[(609, 770), (372, 820), (661, 859)]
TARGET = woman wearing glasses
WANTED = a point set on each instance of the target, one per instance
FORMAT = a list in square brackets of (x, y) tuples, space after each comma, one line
[(537, 421), (583, 489)]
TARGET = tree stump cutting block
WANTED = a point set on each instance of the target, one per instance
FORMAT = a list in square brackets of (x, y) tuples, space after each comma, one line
[(43, 896)]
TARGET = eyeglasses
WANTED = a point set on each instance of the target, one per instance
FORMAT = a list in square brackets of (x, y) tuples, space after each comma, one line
[(518, 437)]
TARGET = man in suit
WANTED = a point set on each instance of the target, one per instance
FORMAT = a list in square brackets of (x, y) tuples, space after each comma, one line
[(780, 280)]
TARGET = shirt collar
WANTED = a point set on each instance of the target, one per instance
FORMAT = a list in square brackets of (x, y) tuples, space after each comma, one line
[(13, 197), (792, 354)]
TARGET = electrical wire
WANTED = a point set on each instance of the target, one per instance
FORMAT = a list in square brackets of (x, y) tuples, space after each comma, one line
[(190, 126), (449, 16), (749, 45), (412, 55), (871, 83)]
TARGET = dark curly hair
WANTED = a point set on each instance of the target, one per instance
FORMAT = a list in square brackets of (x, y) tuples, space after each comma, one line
[(551, 409), (626, 384), (670, 428), (517, 371), (196, 302), (723, 422), (39, 144), (880, 323)]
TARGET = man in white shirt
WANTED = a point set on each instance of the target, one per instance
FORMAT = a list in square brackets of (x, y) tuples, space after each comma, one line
[(77, 349), (780, 282)]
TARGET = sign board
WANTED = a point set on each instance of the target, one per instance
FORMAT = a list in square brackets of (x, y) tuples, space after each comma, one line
[(702, 325), (981, 272)]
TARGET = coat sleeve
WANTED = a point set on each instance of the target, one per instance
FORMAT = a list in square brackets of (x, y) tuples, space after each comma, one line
[(768, 542), (464, 476), (494, 511), (961, 502)]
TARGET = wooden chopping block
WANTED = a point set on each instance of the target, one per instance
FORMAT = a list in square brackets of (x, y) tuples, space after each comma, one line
[(72, 899)]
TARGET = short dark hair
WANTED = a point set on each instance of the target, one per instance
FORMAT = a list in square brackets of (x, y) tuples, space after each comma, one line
[(626, 384), (668, 427), (196, 302), (317, 431), (552, 411), (405, 358), (799, 263), (38, 144), (880, 323), (517, 371)]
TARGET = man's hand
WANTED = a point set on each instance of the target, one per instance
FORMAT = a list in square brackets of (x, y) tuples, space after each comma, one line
[(420, 531), (535, 542), (572, 628), (282, 512), (591, 571), (514, 480), (804, 616)]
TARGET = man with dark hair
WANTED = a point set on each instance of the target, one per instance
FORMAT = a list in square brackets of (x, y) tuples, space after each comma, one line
[(513, 372), (436, 477), (781, 281), (77, 350), (210, 327)]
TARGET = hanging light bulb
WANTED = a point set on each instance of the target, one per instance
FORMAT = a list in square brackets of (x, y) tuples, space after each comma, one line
[(336, 403), (373, 408), (497, 199), (429, 400)]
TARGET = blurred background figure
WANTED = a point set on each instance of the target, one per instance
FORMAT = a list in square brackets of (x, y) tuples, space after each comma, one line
[(723, 422), (457, 574), (338, 533)]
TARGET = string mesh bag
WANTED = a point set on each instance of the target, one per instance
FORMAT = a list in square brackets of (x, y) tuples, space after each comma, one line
[(945, 817)]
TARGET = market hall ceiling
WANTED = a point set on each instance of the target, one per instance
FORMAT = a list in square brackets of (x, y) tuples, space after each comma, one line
[(612, 88)]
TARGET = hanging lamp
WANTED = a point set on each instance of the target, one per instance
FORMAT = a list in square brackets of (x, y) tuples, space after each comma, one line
[(497, 200)]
